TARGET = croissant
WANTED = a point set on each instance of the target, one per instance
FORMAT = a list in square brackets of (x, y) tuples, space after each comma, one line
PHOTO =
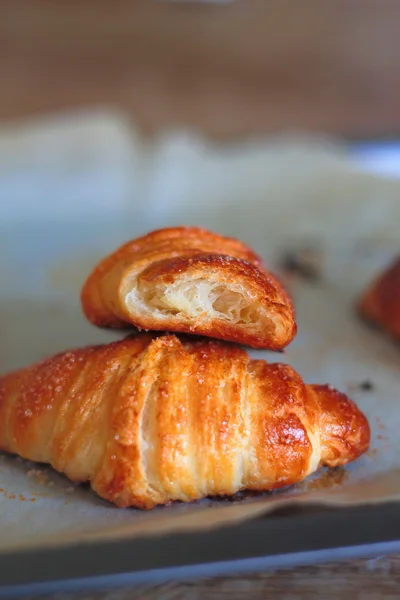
[(151, 419), (380, 303), (190, 280)]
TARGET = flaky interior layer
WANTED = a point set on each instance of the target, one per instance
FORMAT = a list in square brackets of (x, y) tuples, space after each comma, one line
[(197, 298)]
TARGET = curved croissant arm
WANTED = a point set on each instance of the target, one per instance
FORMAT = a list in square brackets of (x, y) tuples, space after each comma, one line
[(380, 303), (189, 280), (148, 420)]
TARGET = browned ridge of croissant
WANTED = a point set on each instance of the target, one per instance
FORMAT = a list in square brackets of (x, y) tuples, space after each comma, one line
[(380, 303), (152, 419), (190, 280)]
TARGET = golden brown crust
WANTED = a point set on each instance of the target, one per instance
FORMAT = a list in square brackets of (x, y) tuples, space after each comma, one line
[(150, 283), (344, 429), (380, 303), (152, 419)]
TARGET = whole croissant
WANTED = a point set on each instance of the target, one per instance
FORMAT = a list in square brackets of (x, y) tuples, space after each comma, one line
[(190, 280), (380, 303), (148, 420)]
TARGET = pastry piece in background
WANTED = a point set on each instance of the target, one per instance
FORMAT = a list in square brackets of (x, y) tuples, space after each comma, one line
[(152, 419), (190, 280), (380, 303)]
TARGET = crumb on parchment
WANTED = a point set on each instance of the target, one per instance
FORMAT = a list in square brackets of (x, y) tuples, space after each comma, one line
[(367, 385), (40, 476), (304, 262), (364, 386)]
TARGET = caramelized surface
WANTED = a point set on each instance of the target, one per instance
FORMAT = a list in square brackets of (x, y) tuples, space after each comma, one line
[(152, 419), (189, 280)]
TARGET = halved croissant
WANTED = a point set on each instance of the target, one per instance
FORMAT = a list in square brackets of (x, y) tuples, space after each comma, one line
[(189, 280), (380, 303), (148, 420)]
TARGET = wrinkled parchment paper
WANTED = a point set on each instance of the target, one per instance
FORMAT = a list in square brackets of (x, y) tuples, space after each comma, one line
[(76, 188)]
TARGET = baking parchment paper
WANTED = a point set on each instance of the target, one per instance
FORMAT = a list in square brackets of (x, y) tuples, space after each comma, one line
[(280, 196)]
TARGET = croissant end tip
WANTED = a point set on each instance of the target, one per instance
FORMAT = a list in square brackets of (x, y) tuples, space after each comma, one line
[(345, 431)]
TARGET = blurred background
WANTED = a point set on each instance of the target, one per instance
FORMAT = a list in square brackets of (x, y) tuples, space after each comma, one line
[(178, 111), (228, 69)]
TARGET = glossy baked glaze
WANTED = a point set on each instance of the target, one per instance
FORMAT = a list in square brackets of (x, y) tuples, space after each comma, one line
[(380, 304), (164, 257), (152, 419)]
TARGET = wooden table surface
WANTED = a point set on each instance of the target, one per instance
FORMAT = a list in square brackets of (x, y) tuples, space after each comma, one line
[(249, 67), (230, 71)]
